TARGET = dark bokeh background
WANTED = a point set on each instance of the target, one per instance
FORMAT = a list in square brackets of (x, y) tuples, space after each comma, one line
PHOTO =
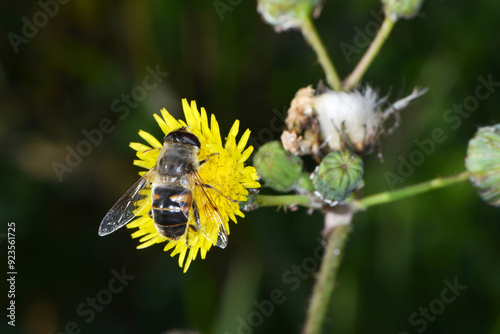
[(64, 81)]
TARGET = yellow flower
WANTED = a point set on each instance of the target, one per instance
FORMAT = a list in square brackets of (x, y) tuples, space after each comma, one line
[(224, 171)]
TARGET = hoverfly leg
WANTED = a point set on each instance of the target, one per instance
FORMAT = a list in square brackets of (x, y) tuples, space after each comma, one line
[(195, 229), (152, 149), (220, 192), (207, 158), (196, 219), (196, 216)]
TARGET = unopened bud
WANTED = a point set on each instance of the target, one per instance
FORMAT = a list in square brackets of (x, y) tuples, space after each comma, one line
[(483, 163), (305, 185), (279, 169), (287, 14), (338, 174), (396, 9)]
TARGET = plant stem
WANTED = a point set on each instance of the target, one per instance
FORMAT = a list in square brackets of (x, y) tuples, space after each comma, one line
[(312, 37), (356, 75), (362, 204), (325, 282), (391, 196), (283, 200)]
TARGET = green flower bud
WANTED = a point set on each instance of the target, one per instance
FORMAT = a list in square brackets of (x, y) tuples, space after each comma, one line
[(402, 8), (338, 175), (305, 184), (278, 168), (483, 163), (287, 14)]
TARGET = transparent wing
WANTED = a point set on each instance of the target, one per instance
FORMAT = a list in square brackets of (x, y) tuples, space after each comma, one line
[(123, 211), (207, 215)]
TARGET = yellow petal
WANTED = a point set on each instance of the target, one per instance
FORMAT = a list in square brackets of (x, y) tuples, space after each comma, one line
[(234, 129), (144, 164), (150, 139), (139, 147), (164, 127), (230, 143), (246, 154), (192, 114), (147, 244), (215, 130), (148, 237), (250, 185), (169, 246), (137, 222), (182, 256), (244, 140), (138, 234), (170, 121), (204, 122)]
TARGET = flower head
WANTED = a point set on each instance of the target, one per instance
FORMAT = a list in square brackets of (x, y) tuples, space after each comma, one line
[(287, 14), (279, 169), (483, 163), (338, 174), (224, 170), (396, 9), (353, 120)]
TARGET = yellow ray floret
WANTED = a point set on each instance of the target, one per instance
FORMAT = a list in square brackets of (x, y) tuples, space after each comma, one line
[(224, 171)]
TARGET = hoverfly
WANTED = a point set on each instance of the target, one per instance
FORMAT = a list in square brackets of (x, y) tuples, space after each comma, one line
[(175, 184)]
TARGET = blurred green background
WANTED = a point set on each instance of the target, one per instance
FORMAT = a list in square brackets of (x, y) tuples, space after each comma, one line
[(65, 79)]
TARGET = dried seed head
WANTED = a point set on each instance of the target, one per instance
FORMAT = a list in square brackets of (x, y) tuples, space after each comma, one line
[(483, 163), (302, 134), (355, 120), (338, 175), (278, 168)]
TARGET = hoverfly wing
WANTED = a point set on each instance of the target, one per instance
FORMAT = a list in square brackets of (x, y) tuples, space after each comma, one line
[(123, 211), (209, 219)]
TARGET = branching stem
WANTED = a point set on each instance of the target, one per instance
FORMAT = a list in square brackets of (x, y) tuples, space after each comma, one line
[(312, 37), (355, 77), (391, 196), (372, 200)]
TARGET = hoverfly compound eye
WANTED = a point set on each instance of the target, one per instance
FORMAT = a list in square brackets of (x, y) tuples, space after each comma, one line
[(191, 139), (168, 137), (182, 136)]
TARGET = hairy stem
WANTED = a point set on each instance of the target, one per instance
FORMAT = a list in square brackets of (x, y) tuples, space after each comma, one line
[(312, 37), (362, 204), (283, 200), (391, 196), (325, 283), (355, 77)]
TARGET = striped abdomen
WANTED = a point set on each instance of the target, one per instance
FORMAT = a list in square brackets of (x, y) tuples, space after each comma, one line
[(170, 208)]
